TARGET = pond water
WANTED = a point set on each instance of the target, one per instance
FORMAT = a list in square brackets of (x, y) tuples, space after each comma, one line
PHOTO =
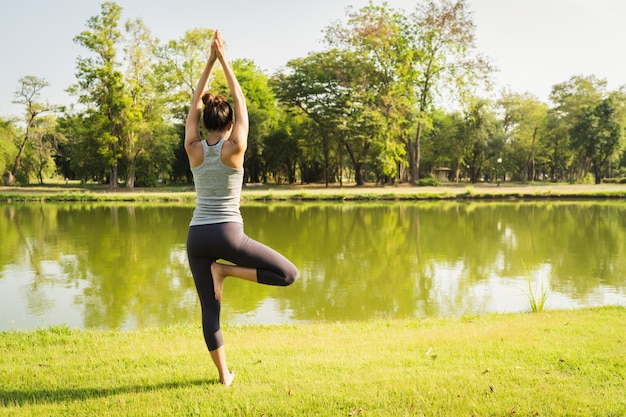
[(125, 266)]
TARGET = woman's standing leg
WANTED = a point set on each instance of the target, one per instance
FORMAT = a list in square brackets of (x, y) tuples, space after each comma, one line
[(200, 268)]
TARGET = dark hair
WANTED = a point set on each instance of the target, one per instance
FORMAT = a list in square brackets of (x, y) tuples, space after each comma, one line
[(217, 112)]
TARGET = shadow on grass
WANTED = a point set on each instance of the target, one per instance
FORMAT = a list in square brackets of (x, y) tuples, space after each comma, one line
[(19, 398)]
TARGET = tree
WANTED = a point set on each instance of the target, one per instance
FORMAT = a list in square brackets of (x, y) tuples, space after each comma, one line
[(484, 139), (376, 34), (148, 139), (179, 65), (445, 143), (27, 94), (281, 153), (8, 150), (312, 85), (570, 99), (523, 118), (100, 87), (599, 135), (441, 35), (39, 159)]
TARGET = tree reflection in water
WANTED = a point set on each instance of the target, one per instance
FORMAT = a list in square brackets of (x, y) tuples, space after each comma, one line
[(125, 266)]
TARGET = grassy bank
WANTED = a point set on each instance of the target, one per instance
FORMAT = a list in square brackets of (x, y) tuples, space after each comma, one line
[(555, 363), (316, 193)]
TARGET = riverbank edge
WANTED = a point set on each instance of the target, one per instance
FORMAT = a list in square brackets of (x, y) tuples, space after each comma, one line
[(426, 322), (317, 193)]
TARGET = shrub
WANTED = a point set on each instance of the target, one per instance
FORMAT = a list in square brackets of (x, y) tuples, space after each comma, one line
[(428, 182)]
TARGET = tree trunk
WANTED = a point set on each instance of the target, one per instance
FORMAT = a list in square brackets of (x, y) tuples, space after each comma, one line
[(9, 178), (532, 155), (598, 175), (130, 182), (113, 176), (413, 151), (130, 178), (18, 159), (358, 174)]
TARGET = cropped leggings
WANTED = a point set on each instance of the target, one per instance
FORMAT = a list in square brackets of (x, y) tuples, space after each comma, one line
[(227, 241)]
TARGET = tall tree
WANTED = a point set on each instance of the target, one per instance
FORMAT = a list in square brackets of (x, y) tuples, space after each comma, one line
[(598, 134), (28, 95), (523, 118), (485, 140), (179, 64), (148, 138), (444, 60), (101, 87), (313, 85), (569, 100), (377, 34)]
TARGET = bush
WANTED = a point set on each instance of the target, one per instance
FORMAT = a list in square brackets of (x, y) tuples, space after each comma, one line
[(621, 180), (428, 182)]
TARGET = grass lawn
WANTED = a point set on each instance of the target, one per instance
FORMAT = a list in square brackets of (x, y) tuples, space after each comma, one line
[(553, 363), (185, 193)]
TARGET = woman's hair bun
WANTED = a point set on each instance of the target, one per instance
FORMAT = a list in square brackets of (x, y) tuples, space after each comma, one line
[(217, 112), (212, 100)]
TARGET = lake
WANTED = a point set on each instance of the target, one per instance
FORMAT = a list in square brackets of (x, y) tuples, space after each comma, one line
[(124, 266)]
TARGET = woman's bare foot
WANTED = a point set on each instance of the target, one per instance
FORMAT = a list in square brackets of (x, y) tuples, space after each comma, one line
[(228, 379), (218, 280)]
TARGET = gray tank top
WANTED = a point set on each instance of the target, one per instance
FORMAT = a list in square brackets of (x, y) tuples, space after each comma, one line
[(218, 188)]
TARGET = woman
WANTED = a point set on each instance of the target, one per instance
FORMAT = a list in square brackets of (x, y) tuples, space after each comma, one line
[(216, 228)]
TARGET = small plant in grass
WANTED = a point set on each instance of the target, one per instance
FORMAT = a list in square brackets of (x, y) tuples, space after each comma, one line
[(539, 292)]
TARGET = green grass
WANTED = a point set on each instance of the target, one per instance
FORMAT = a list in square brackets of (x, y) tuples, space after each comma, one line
[(185, 193), (539, 293), (552, 363)]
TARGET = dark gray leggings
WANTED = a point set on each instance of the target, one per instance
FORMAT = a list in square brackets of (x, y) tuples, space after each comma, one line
[(210, 242)]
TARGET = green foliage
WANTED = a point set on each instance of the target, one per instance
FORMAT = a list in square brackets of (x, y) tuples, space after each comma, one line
[(366, 105), (179, 64), (262, 112), (281, 155), (428, 182), (523, 119), (100, 86), (8, 149), (598, 135), (620, 180)]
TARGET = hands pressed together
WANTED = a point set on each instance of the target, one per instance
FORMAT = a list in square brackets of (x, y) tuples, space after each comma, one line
[(217, 46)]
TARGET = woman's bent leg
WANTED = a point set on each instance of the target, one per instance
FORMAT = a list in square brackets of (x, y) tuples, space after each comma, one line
[(272, 267), (219, 272)]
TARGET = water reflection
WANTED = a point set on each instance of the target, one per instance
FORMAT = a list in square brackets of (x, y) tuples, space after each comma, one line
[(125, 266)]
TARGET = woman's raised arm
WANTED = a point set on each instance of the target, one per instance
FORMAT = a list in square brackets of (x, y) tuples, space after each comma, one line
[(239, 135), (192, 125)]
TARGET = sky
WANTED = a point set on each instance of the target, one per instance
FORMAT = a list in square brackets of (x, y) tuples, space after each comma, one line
[(534, 44)]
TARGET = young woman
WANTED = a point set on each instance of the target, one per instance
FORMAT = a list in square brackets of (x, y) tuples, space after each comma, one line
[(216, 228)]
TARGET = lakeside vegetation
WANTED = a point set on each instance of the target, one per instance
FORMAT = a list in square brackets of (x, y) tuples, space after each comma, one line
[(556, 363), (186, 194), (392, 96)]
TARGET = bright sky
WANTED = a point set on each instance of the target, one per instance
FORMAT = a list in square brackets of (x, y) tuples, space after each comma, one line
[(534, 43)]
